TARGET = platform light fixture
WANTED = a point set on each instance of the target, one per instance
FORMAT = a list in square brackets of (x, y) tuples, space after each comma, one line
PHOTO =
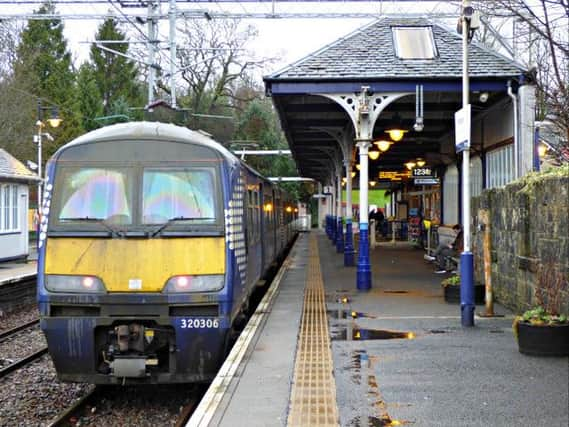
[(383, 144), (396, 131), (410, 165), (420, 162), (373, 154)]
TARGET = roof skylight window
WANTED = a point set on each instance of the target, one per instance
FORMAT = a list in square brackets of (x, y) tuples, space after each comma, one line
[(414, 42)]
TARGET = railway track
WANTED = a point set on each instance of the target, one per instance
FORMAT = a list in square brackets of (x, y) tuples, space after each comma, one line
[(7, 334), (22, 362), (105, 404), (20, 346)]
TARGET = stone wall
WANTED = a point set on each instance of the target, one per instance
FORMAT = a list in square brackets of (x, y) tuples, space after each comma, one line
[(529, 222)]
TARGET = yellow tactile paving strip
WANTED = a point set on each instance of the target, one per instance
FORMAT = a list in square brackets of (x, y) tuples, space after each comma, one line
[(313, 395)]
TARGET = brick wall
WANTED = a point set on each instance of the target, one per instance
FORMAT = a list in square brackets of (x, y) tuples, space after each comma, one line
[(529, 222)]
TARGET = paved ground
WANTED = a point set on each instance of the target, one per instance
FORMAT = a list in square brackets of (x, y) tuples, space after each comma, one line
[(446, 375)]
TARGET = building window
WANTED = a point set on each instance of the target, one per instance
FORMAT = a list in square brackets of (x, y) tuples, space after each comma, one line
[(414, 42), (499, 166), (9, 209), (475, 177), (450, 196)]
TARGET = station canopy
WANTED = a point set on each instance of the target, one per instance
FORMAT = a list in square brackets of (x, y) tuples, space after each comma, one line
[(388, 55)]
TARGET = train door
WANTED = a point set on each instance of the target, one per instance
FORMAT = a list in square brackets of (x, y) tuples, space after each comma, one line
[(269, 227), (254, 248)]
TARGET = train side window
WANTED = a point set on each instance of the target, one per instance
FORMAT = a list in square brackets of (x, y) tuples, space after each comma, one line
[(256, 213), (250, 216)]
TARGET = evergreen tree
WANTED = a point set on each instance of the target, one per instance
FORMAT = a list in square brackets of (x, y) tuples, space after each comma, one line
[(258, 124), (43, 62), (115, 76), (89, 102)]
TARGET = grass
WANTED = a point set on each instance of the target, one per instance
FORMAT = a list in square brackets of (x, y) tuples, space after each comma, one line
[(375, 197)]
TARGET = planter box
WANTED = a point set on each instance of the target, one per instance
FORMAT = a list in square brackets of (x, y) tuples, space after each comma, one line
[(452, 294), (543, 340)]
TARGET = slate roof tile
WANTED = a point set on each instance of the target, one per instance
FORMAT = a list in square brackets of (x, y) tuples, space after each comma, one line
[(370, 53), (12, 168)]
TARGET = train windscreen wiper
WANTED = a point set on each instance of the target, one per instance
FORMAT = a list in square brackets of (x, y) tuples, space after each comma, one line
[(176, 219), (114, 232)]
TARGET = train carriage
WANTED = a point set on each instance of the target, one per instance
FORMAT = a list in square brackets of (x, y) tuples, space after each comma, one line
[(152, 240)]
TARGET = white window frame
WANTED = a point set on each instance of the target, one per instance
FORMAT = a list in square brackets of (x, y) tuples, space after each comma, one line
[(499, 166), (450, 196), (9, 209), (414, 42), (475, 176)]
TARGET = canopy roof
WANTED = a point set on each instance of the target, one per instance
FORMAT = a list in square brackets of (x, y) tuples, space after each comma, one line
[(369, 57)]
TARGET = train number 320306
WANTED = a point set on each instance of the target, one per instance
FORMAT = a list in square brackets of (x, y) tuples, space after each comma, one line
[(199, 323)]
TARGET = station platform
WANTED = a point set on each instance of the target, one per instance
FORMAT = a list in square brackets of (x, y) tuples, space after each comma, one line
[(11, 272), (319, 353)]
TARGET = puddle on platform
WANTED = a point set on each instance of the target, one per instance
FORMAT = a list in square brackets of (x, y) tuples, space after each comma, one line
[(348, 314), (437, 331), (351, 333), (376, 422), (394, 291), (361, 362)]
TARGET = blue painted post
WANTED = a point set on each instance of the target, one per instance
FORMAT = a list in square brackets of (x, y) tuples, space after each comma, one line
[(363, 280), (349, 252), (340, 237), (467, 305), (466, 258), (364, 268), (333, 229), (328, 226)]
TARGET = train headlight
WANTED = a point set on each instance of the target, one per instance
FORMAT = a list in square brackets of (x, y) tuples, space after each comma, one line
[(73, 284), (203, 283)]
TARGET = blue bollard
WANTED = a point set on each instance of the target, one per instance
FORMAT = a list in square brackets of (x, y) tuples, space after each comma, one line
[(467, 305), (340, 236), (333, 229), (363, 280), (349, 252)]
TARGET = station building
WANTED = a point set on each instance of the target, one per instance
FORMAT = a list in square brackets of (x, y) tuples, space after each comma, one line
[(338, 105)]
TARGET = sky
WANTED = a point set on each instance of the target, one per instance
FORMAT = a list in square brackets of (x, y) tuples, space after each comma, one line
[(285, 39)]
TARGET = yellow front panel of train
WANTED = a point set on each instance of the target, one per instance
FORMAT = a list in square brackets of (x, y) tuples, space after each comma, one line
[(153, 261)]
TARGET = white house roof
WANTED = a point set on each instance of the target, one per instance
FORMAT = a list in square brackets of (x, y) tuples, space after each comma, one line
[(11, 169)]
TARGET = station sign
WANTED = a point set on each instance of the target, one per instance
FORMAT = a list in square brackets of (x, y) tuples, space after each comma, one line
[(462, 128), (422, 172), (394, 176), (426, 181)]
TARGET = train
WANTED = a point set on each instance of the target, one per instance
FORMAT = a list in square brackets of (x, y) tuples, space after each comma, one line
[(152, 239)]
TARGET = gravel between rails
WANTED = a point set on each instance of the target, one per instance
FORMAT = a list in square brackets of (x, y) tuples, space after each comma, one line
[(138, 406), (14, 318), (32, 395), (20, 345)]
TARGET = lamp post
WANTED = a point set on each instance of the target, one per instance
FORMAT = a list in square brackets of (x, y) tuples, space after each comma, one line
[(54, 121)]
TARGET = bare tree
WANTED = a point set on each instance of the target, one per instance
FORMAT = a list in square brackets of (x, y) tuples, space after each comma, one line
[(540, 29), (9, 39), (214, 60)]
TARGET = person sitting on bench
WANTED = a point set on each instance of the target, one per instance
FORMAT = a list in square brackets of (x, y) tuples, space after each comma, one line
[(446, 250)]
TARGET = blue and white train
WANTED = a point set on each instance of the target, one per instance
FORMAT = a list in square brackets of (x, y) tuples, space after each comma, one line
[(152, 240)]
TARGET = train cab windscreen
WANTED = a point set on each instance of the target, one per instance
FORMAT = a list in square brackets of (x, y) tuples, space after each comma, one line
[(144, 196)]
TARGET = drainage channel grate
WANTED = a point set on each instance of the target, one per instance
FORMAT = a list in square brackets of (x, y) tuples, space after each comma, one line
[(313, 395)]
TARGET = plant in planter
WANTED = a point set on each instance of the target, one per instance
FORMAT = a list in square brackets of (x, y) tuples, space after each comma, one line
[(451, 288), (543, 331)]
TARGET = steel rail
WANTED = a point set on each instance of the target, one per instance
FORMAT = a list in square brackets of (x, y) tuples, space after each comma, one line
[(7, 334), (22, 362), (62, 417)]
